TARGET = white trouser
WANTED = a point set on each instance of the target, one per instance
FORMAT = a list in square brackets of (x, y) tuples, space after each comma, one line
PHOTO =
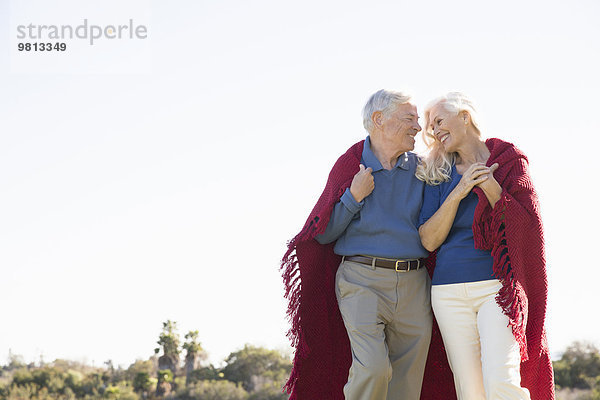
[(482, 351)]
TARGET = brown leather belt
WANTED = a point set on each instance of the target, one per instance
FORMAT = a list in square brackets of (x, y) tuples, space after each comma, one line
[(398, 265)]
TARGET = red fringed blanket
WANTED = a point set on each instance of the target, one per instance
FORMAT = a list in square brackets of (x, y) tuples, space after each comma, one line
[(514, 234), (323, 355)]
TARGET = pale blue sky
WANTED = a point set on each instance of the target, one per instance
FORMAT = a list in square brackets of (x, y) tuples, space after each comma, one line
[(130, 198)]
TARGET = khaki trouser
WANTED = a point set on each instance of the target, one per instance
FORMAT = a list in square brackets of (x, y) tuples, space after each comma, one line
[(388, 318), (482, 351)]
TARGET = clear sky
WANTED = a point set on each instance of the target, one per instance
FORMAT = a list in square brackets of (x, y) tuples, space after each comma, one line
[(163, 182)]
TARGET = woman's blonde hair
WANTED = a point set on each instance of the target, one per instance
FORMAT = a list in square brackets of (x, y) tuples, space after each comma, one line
[(436, 165)]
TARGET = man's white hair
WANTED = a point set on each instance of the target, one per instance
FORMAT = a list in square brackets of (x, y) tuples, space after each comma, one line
[(385, 101)]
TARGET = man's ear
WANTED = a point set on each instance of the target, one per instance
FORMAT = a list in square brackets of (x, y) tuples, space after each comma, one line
[(377, 118)]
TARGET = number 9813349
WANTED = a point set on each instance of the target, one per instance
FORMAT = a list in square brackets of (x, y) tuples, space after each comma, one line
[(42, 46)]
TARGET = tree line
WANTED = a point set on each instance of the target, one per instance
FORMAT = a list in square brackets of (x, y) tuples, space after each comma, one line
[(176, 372), (577, 373), (179, 371)]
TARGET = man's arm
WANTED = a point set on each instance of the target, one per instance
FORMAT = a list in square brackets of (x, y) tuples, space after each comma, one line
[(349, 205), (341, 216)]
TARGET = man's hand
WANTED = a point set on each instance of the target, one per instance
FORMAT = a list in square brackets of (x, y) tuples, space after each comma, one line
[(362, 183)]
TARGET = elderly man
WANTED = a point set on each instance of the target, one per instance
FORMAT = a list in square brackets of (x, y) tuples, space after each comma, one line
[(367, 217)]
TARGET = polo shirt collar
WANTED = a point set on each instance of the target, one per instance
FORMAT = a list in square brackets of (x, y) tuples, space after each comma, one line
[(371, 161)]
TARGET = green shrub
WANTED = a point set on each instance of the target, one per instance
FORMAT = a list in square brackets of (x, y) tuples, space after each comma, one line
[(212, 390)]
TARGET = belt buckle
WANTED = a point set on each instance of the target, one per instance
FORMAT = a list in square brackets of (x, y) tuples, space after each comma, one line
[(402, 270)]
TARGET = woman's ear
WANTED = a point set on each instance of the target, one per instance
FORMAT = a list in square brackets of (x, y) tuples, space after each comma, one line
[(466, 117)]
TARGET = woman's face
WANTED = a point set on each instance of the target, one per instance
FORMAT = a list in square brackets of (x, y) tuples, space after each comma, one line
[(448, 128)]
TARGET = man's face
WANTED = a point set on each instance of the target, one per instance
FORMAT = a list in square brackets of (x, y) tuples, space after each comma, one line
[(401, 127)]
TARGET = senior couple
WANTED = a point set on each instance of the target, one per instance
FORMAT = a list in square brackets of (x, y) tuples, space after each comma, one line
[(394, 236)]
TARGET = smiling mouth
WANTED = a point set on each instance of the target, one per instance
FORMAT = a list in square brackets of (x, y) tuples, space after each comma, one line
[(443, 137)]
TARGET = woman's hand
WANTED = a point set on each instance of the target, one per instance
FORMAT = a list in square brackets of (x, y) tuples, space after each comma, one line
[(491, 188), (476, 174), (436, 229)]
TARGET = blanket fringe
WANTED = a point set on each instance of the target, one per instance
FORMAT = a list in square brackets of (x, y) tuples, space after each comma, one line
[(511, 297), (293, 293), (292, 284)]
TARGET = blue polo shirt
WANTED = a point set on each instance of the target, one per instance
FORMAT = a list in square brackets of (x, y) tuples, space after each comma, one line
[(458, 260), (384, 224)]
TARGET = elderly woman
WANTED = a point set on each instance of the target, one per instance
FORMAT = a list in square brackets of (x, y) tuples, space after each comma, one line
[(489, 287)]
